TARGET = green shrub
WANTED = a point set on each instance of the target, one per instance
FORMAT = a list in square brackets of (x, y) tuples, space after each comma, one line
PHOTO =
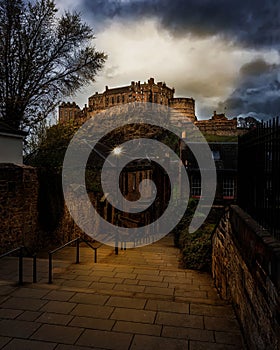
[(197, 248)]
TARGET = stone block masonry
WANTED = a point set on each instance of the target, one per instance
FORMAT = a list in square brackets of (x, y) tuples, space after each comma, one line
[(246, 271), (32, 209), (18, 206)]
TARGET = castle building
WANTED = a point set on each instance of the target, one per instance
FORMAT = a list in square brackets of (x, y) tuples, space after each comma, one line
[(218, 125), (223, 153), (135, 92)]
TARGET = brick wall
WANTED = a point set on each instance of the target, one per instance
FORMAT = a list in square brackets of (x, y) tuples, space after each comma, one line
[(246, 271)]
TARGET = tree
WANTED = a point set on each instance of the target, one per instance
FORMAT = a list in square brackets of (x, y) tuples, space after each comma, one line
[(247, 122), (42, 58)]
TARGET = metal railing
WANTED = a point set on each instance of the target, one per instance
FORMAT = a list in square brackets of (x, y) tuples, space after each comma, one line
[(77, 241), (258, 175), (20, 263)]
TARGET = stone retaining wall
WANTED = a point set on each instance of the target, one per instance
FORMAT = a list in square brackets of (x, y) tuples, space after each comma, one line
[(246, 271), (32, 209), (18, 207)]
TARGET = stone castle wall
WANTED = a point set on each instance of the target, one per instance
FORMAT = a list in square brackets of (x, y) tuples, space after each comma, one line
[(246, 271)]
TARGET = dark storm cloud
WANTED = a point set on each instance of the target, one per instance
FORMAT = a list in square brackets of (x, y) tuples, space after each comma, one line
[(258, 92), (252, 23)]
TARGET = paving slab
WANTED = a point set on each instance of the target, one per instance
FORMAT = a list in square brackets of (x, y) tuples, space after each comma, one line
[(59, 307), (197, 345), (95, 311), (183, 320), (24, 344), (140, 299), (146, 342), (75, 347), (223, 324), (188, 333), (105, 340), (15, 328), (10, 313), (59, 295), (29, 315), (133, 315), (161, 305), (23, 304), (52, 318), (4, 341), (84, 298), (131, 303), (57, 334), (92, 323), (137, 328)]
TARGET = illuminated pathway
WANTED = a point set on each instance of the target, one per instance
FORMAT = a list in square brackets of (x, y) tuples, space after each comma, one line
[(137, 300)]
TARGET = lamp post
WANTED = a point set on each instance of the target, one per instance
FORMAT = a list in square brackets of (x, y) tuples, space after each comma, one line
[(117, 151)]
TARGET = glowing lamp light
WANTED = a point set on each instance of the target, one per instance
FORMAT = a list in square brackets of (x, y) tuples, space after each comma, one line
[(117, 151)]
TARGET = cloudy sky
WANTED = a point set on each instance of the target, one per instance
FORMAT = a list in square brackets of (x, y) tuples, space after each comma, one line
[(224, 54)]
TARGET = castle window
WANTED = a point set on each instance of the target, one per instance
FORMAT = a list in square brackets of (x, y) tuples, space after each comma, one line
[(122, 98), (196, 186), (118, 99), (228, 188), (113, 100)]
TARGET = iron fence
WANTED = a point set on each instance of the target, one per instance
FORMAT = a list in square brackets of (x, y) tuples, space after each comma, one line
[(259, 176)]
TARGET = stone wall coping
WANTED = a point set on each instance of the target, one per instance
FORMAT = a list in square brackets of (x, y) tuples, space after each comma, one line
[(256, 244)]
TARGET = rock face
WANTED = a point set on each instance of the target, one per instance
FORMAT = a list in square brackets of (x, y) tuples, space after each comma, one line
[(18, 206), (246, 271)]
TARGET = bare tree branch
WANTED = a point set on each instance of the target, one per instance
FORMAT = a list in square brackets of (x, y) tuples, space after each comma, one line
[(42, 59)]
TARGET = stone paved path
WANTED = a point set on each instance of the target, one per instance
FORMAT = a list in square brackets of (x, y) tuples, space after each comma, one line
[(138, 300)]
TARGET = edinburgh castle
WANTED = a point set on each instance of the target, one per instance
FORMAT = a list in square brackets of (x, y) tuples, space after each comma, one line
[(152, 92)]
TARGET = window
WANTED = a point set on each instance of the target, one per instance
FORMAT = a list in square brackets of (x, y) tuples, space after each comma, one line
[(196, 187), (133, 181), (118, 99), (122, 98), (113, 100), (228, 188), (216, 155)]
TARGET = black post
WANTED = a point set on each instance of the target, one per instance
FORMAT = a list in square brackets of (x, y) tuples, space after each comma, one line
[(78, 251), (95, 255), (50, 268), (20, 266), (34, 268)]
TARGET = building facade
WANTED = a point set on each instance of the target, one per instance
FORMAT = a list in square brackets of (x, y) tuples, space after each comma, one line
[(149, 91), (11, 144)]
